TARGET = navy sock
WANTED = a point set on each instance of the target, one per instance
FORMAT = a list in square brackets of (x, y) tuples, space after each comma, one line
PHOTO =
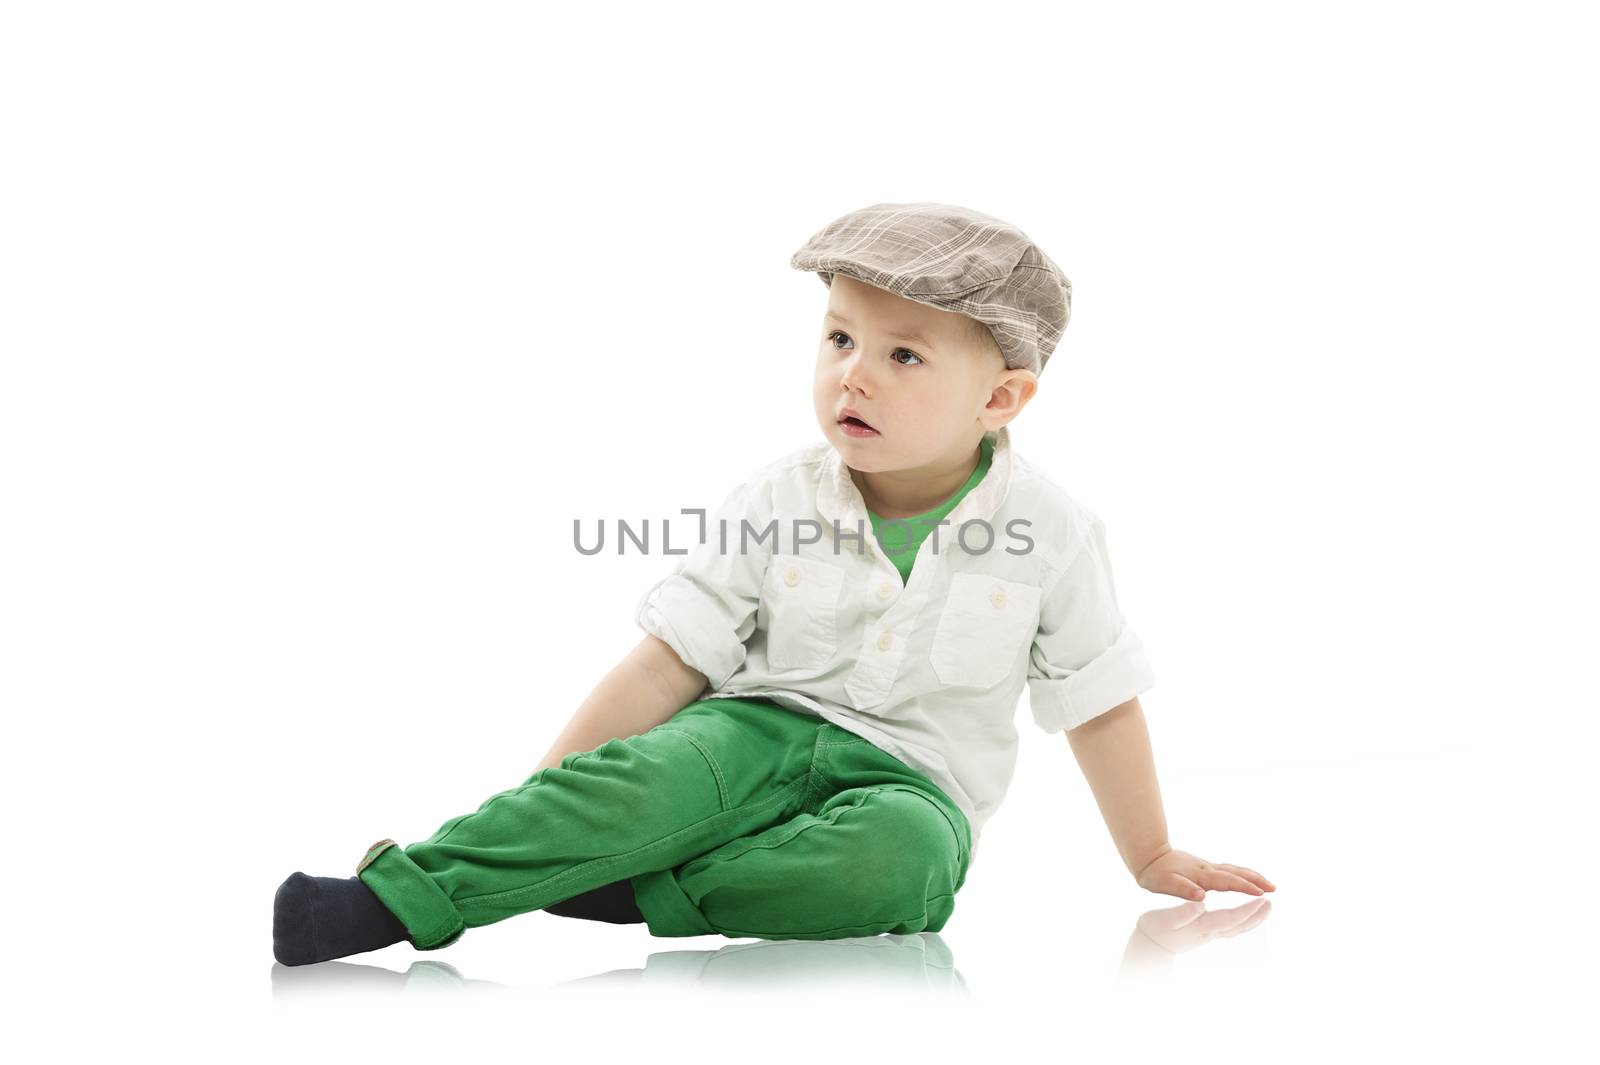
[(318, 918), (612, 903)]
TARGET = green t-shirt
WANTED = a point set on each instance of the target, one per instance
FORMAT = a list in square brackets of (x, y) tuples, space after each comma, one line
[(901, 538)]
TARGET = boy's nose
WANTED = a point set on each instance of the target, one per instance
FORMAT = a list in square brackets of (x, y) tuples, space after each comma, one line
[(854, 376)]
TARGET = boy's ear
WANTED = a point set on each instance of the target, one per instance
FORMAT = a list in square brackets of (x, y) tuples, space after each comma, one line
[(1010, 394)]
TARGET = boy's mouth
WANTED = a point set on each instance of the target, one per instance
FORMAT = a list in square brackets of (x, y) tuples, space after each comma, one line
[(855, 426)]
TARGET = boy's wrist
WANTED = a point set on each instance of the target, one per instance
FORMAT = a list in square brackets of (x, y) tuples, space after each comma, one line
[(1148, 856)]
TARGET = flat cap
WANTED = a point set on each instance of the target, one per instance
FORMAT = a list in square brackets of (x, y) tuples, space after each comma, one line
[(955, 259)]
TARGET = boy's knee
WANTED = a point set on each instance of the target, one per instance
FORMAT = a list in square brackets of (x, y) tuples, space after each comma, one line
[(908, 853), (922, 834)]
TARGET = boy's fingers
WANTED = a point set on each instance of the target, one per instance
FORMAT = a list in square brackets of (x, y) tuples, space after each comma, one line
[(1242, 870), (1249, 874), (1221, 880)]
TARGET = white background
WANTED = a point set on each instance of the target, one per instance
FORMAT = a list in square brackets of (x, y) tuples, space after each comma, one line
[(322, 322)]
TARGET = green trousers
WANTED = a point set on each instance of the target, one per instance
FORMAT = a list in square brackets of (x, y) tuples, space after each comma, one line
[(734, 817)]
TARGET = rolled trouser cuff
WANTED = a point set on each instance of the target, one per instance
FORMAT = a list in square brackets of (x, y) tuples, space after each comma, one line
[(431, 919), (667, 910)]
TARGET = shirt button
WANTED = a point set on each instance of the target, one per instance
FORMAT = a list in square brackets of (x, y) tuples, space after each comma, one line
[(884, 641), (791, 577), (998, 597), (883, 591)]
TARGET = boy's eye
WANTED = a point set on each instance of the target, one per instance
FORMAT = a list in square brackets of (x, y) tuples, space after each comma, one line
[(897, 351)]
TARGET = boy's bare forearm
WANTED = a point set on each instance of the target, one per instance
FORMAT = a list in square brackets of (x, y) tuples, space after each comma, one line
[(1113, 750), (646, 688)]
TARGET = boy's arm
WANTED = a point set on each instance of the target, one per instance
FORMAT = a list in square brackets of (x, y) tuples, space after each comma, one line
[(646, 688), (1113, 750), (1084, 659)]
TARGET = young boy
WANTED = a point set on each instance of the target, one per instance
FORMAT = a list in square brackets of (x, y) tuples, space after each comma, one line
[(858, 728)]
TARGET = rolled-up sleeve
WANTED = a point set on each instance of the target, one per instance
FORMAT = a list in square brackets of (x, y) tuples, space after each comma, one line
[(1085, 658), (705, 609)]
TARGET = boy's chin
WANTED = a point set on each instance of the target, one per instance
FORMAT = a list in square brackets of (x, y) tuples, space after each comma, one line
[(864, 460)]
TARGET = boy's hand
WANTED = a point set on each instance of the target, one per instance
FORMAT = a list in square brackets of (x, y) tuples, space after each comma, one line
[(1182, 874)]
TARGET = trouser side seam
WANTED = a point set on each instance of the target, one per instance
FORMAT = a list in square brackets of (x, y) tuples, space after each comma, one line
[(581, 871)]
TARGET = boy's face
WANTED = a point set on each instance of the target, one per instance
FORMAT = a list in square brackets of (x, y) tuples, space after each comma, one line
[(915, 374)]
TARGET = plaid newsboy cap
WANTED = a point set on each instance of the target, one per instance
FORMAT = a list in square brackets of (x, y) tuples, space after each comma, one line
[(955, 259)]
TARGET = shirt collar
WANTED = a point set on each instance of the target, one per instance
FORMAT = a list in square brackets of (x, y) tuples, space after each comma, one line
[(838, 498)]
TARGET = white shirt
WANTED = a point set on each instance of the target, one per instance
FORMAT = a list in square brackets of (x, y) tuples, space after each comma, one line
[(931, 670)]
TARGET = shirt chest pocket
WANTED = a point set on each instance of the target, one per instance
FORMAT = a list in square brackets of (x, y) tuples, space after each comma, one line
[(986, 627), (800, 600)]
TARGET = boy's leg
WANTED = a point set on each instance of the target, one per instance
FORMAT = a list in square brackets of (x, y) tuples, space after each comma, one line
[(718, 770), (885, 851)]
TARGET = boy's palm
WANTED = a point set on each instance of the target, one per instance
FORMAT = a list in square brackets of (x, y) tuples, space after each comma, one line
[(1188, 877)]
